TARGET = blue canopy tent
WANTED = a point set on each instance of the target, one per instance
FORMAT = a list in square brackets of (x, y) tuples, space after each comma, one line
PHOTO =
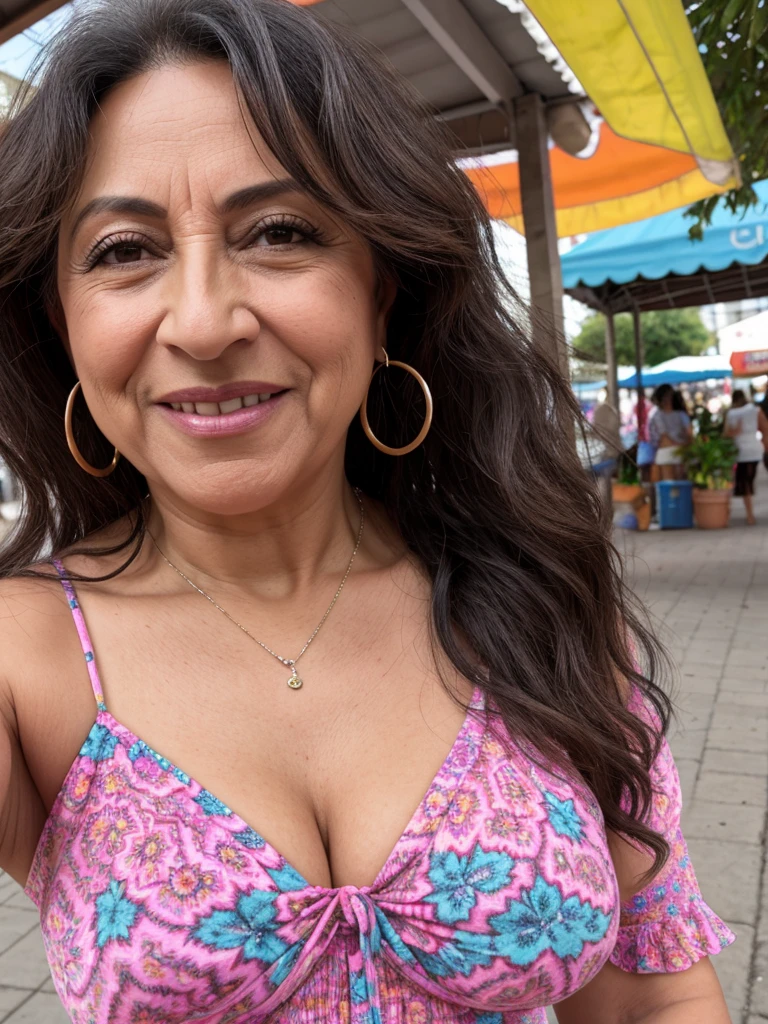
[(654, 264), (680, 370)]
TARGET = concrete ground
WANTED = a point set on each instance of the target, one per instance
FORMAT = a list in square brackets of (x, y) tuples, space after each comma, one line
[(708, 591)]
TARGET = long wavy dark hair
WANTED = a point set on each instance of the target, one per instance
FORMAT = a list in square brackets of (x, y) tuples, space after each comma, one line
[(495, 504)]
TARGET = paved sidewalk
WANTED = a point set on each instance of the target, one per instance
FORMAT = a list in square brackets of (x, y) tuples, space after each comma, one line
[(708, 591)]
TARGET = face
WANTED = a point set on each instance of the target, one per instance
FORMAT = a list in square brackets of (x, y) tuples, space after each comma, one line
[(223, 325)]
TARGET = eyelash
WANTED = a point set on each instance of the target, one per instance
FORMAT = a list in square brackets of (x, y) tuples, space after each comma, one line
[(112, 242)]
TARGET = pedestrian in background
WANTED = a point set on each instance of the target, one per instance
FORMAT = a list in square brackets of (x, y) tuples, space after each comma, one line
[(669, 429), (762, 426), (741, 423)]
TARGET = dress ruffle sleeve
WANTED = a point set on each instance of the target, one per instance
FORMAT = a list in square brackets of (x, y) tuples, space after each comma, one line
[(667, 926)]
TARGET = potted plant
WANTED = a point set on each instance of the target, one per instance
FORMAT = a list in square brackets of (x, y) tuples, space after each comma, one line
[(709, 461), (627, 486), (627, 490)]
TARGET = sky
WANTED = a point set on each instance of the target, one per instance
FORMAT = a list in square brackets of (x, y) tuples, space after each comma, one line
[(17, 54)]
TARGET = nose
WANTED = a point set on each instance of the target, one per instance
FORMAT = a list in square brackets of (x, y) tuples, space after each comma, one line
[(206, 304)]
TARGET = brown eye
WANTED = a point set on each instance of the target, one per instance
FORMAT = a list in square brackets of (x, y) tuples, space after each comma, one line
[(124, 252), (280, 235)]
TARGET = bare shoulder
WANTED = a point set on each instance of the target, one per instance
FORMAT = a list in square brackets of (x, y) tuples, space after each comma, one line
[(33, 635), (33, 618)]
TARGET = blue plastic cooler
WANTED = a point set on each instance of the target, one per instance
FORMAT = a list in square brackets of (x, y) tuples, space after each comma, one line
[(674, 503)]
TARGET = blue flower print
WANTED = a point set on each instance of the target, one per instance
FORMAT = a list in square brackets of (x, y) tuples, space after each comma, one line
[(140, 749), (457, 880), (282, 966), (390, 936), (358, 987), (100, 743), (542, 920), (460, 956), (137, 750), (489, 1018), (288, 879), (250, 839), (211, 804), (181, 776), (115, 914), (251, 926), (563, 817)]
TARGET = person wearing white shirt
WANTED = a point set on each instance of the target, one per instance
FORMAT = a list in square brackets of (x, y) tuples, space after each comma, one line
[(741, 423)]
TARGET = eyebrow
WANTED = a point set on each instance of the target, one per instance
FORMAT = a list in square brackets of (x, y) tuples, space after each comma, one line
[(137, 206)]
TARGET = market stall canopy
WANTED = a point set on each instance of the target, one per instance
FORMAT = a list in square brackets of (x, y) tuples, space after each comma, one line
[(680, 370), (471, 59), (662, 144), (654, 264)]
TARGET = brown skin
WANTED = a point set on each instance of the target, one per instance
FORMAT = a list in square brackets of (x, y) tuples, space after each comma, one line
[(264, 521)]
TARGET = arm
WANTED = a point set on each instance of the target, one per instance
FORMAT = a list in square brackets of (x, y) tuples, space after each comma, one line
[(614, 997), (25, 660), (732, 428), (659, 971), (762, 426)]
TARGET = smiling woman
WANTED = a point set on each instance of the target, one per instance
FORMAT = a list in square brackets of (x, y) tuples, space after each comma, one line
[(269, 405)]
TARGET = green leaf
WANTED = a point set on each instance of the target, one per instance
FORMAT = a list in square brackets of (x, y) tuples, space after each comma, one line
[(733, 10)]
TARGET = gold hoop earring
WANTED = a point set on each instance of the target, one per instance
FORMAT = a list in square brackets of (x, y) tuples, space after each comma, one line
[(427, 419), (71, 444)]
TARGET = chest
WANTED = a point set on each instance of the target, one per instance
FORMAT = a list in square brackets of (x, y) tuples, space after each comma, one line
[(329, 774)]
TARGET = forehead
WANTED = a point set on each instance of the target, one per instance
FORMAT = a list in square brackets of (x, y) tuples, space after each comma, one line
[(175, 127)]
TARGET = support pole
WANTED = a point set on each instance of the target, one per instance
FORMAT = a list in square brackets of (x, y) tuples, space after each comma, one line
[(639, 370), (540, 231), (611, 373)]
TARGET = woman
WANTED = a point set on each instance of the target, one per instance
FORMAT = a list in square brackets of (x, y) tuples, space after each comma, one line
[(742, 424), (762, 426), (220, 217), (669, 429)]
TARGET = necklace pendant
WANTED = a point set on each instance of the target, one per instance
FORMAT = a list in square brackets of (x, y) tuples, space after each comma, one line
[(295, 682)]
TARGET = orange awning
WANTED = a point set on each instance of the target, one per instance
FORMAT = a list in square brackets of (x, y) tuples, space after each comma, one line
[(622, 181)]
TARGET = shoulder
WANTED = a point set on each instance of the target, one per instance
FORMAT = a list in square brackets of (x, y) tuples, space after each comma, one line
[(35, 628)]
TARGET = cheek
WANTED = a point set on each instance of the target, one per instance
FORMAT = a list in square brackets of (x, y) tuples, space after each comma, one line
[(339, 342), (108, 336)]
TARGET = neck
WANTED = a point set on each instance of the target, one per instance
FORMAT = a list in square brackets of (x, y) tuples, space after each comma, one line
[(279, 550)]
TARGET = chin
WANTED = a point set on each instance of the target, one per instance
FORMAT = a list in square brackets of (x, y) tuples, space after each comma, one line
[(234, 492)]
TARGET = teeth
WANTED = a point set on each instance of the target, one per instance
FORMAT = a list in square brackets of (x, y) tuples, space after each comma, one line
[(220, 408), (231, 405)]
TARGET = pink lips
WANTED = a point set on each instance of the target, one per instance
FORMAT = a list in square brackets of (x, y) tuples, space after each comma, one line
[(227, 424)]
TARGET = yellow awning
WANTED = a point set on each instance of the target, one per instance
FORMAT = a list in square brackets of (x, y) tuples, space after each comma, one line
[(638, 61)]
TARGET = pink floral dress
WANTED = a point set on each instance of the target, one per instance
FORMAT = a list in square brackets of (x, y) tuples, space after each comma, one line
[(159, 905)]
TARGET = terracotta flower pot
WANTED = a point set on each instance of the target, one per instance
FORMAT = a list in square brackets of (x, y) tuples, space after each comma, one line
[(712, 509), (627, 492)]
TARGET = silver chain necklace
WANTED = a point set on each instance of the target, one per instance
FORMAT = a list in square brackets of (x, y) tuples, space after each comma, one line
[(295, 681)]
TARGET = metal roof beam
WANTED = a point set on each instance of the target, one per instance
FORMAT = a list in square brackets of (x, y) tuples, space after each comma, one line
[(453, 27), (30, 14)]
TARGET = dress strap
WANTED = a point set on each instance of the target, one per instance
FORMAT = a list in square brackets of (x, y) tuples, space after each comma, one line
[(82, 632)]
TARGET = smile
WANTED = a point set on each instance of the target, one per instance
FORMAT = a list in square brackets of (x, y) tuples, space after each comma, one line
[(220, 408), (224, 418)]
